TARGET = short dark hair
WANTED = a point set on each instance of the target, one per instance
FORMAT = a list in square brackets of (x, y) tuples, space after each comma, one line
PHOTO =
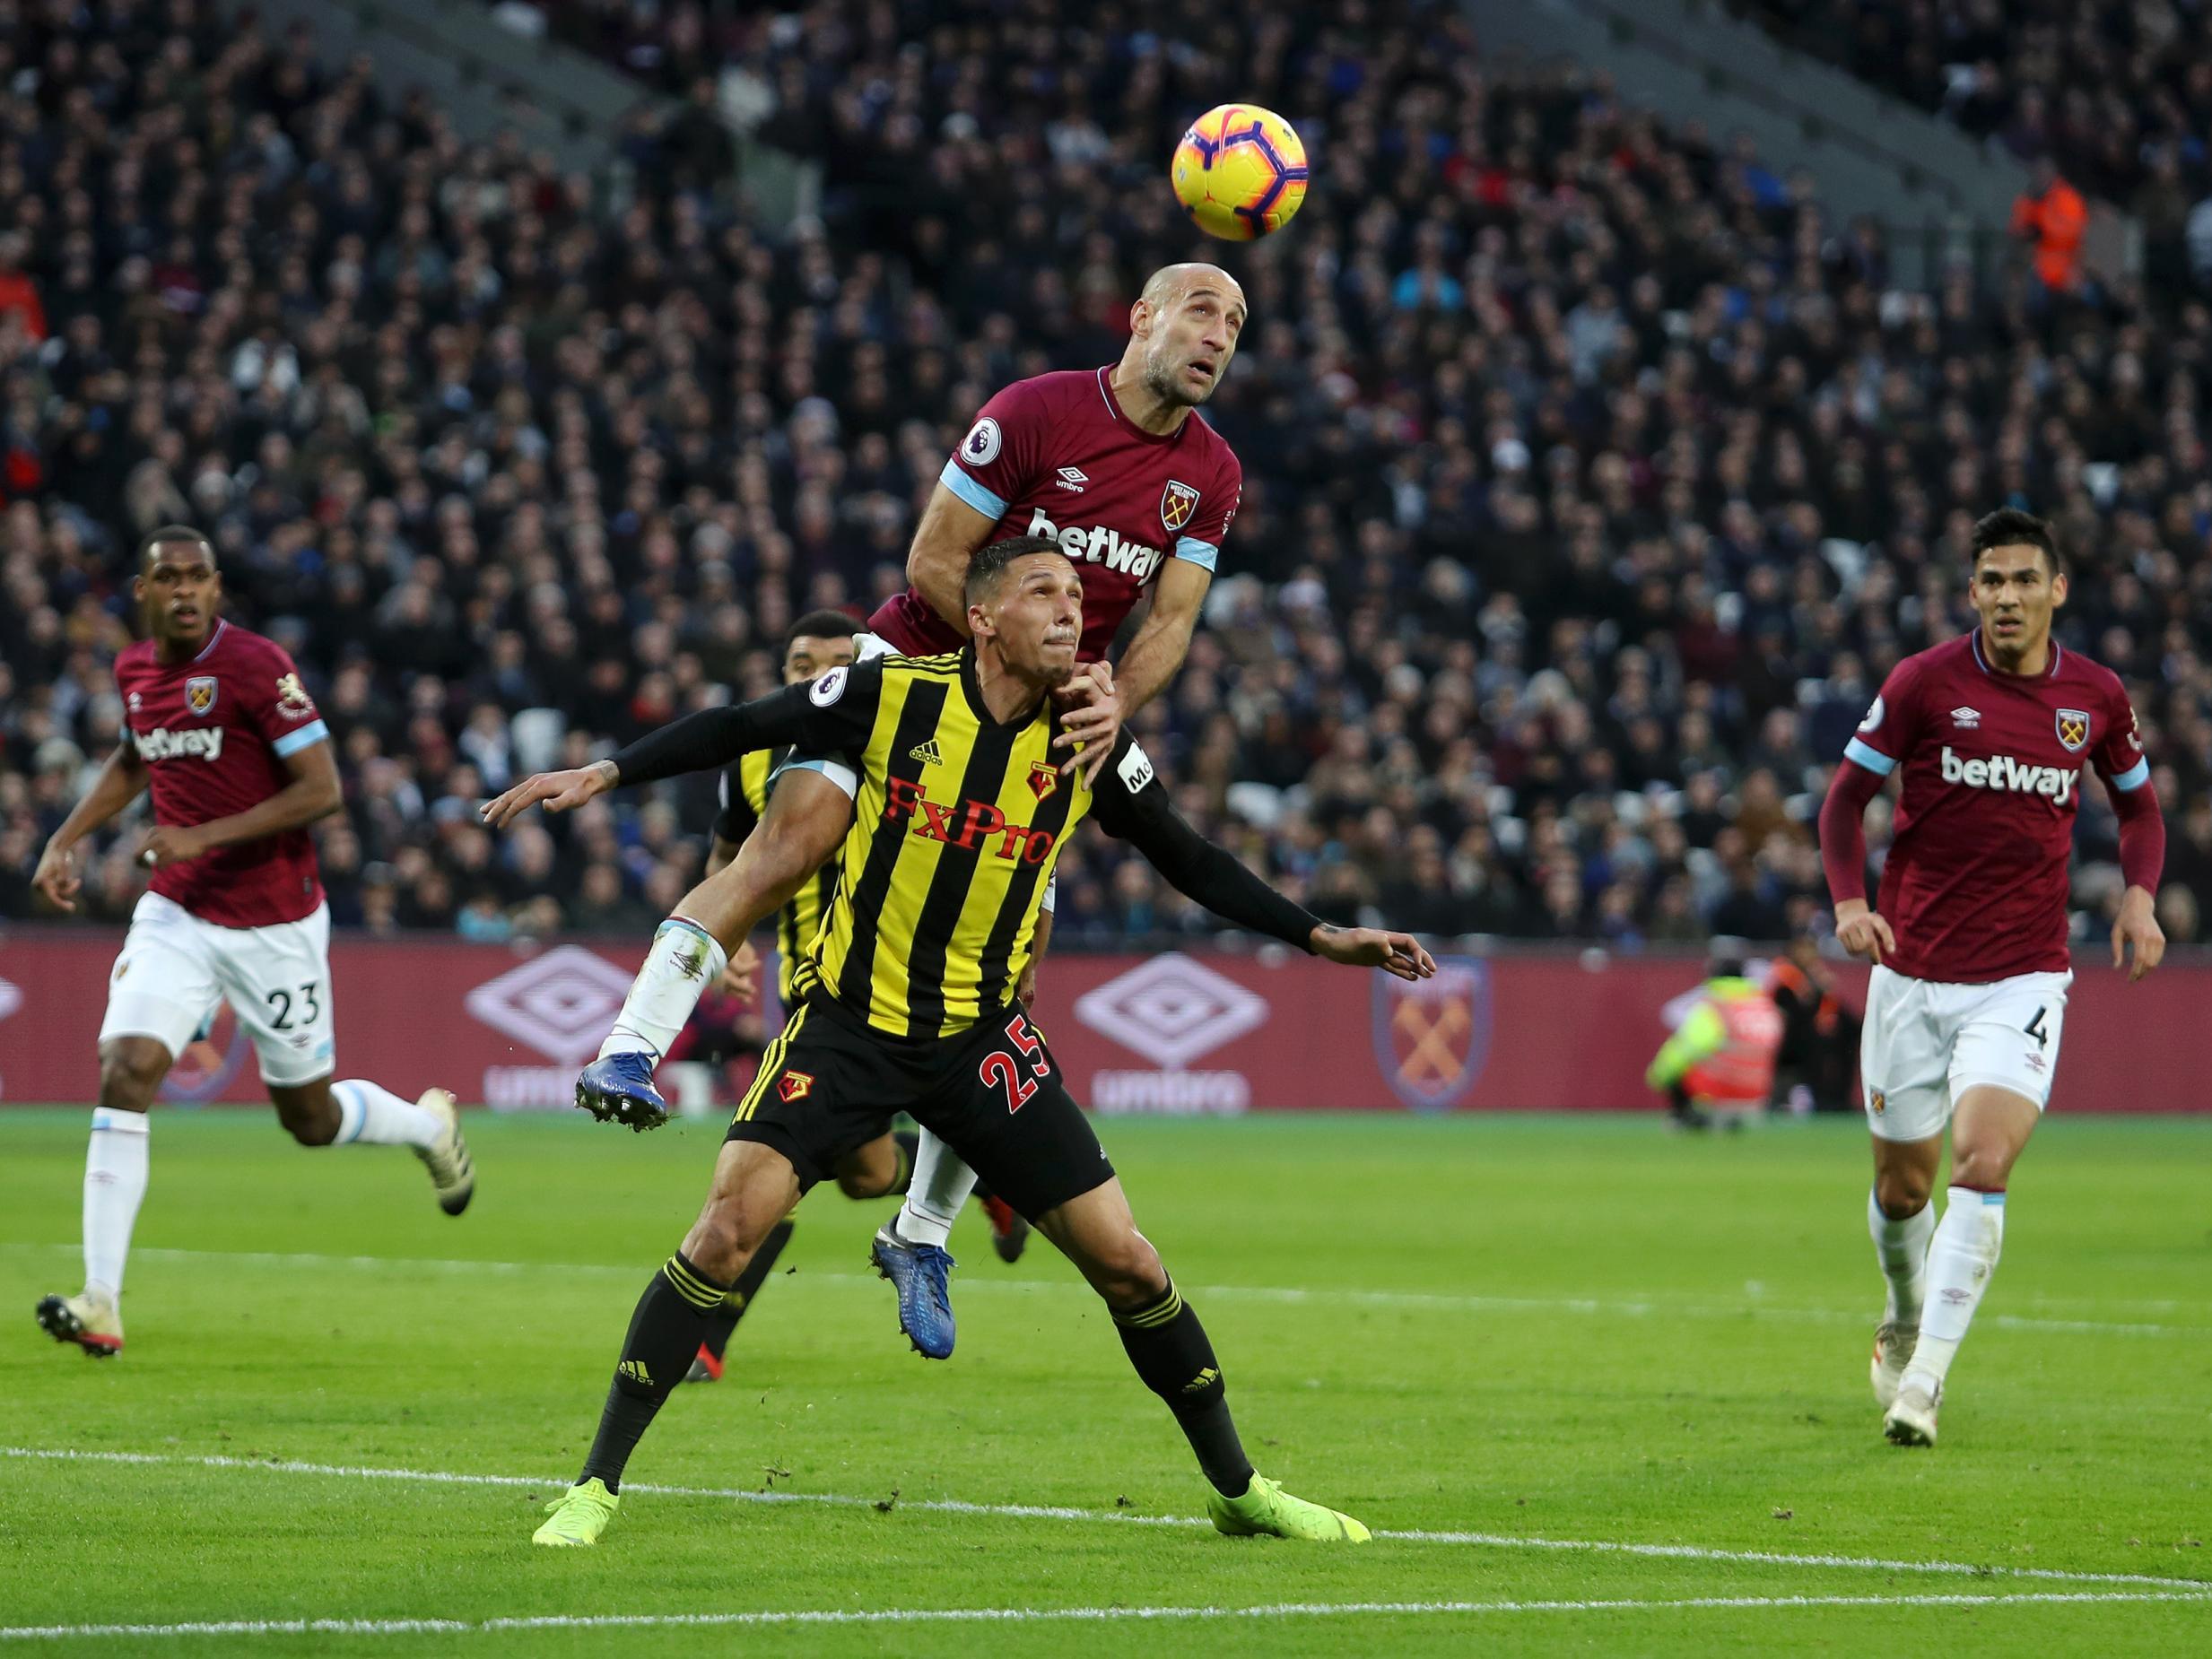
[(162, 536), (821, 625), (2008, 526), (992, 562)]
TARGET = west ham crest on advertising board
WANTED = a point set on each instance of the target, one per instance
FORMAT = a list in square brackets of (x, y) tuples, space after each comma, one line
[(1432, 1036)]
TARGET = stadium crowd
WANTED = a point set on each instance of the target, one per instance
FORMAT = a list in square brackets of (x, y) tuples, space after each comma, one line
[(2116, 93), (1595, 477)]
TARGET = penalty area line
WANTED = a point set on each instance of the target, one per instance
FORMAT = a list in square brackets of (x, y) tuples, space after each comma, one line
[(1045, 1615), (1061, 1512)]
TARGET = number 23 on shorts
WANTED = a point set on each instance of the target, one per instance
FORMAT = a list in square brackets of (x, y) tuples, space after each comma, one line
[(1001, 1070)]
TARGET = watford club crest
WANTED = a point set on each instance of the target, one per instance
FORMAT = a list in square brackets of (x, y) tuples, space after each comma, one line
[(200, 693), (2072, 730), (1043, 778), (796, 1085), (1178, 502)]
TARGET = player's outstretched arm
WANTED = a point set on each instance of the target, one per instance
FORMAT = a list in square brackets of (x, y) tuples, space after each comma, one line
[(313, 793), (122, 778), (830, 715), (1212, 876)]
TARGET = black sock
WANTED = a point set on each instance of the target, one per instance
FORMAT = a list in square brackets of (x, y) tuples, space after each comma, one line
[(732, 1307), (1167, 1345), (662, 1337), (909, 1146)]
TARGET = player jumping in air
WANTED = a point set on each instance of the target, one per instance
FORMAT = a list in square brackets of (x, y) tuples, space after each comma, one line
[(219, 726), (1112, 464), (1968, 994), (962, 814)]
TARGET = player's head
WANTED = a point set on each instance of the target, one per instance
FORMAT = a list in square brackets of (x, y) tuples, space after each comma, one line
[(816, 643), (1025, 606), (2019, 580), (1725, 957), (1183, 330), (178, 584)]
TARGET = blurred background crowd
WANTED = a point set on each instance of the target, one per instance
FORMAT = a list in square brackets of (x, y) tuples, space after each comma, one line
[(1595, 476)]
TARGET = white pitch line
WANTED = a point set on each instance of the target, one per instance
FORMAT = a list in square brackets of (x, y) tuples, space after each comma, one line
[(1062, 1511), (1043, 1615), (1424, 1301)]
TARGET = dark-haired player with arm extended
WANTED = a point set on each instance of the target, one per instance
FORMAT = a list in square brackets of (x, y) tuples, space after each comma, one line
[(218, 727), (1988, 734), (910, 998)]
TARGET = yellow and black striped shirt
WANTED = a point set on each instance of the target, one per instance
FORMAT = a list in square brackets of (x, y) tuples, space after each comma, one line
[(958, 823), (745, 785), (956, 830)]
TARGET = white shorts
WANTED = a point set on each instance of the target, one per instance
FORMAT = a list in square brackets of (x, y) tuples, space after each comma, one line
[(175, 966), (1924, 1044)]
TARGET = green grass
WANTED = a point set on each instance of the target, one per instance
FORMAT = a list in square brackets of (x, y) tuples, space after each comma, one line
[(1531, 1328)]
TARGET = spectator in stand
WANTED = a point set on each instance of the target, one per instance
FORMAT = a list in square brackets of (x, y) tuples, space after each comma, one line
[(2051, 216)]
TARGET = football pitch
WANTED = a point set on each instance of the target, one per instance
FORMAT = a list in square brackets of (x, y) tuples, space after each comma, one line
[(1597, 1388)]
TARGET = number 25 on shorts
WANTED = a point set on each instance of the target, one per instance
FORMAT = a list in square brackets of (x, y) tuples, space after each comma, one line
[(1001, 1070)]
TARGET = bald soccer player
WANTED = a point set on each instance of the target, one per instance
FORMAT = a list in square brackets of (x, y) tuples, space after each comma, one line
[(1108, 464)]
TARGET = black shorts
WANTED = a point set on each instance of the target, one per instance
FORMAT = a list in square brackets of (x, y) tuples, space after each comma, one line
[(831, 1083)]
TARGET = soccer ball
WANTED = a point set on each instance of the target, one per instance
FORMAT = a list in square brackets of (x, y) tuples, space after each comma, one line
[(1240, 172)]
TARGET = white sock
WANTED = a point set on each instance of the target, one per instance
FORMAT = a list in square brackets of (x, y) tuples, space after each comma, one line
[(941, 1184), (1960, 1260), (1901, 1251), (114, 1182), (684, 962), (376, 1117)]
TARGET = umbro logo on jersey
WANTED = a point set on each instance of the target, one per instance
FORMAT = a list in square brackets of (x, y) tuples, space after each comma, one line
[(927, 752), (1073, 478), (1966, 720)]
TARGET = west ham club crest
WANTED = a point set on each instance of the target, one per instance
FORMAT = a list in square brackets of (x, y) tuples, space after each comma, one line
[(2072, 730), (1178, 502), (200, 693)]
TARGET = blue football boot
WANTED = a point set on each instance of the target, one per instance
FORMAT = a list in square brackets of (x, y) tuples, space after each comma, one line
[(619, 1088), (919, 1272)]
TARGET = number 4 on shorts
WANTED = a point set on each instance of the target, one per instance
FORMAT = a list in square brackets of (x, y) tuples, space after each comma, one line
[(2036, 1028)]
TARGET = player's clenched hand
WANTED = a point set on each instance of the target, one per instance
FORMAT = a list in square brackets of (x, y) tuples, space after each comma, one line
[(742, 979), (1863, 931), (56, 876), (1373, 947), (2138, 925), (1089, 717), (167, 844), (560, 792)]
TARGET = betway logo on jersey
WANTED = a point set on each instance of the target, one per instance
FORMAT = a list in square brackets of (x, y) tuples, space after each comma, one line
[(203, 743), (1099, 546), (2003, 772)]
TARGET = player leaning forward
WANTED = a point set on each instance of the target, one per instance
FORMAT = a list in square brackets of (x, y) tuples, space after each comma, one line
[(1968, 994), (218, 725), (961, 811)]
